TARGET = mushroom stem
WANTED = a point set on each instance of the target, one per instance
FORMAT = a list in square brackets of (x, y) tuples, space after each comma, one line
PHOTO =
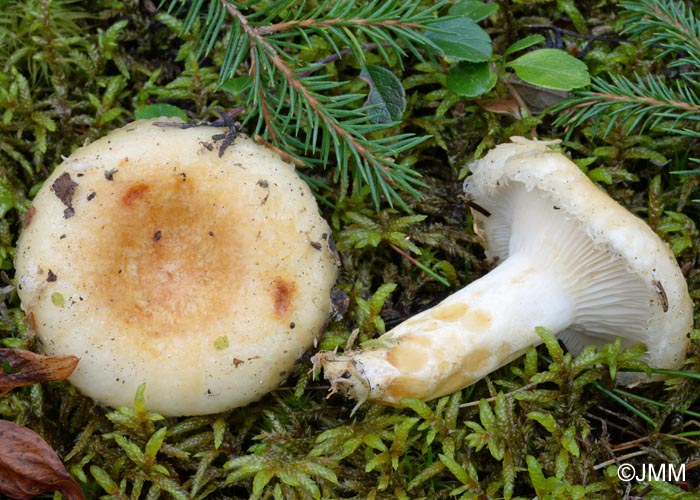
[(573, 261), (470, 334)]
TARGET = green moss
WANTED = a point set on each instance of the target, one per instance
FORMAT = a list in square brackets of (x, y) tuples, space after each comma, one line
[(549, 424)]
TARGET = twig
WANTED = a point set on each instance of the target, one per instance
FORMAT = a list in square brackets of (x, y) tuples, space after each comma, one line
[(310, 23), (257, 38), (617, 460), (415, 262)]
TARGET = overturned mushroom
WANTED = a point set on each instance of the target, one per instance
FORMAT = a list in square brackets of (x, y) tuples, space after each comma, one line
[(156, 261), (571, 260)]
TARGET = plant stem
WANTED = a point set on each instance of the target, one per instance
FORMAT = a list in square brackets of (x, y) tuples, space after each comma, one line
[(257, 37), (309, 23)]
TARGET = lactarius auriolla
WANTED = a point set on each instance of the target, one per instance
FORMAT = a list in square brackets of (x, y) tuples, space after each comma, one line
[(156, 261), (569, 259)]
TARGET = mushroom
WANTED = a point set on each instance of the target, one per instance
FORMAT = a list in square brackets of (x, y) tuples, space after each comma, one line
[(570, 259), (156, 261)]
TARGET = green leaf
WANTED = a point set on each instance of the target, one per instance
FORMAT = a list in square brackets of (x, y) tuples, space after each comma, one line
[(154, 443), (601, 174), (110, 115), (551, 69), (219, 427), (349, 447), (523, 43), (321, 471), (402, 432), (418, 406), (546, 420), (488, 419), (8, 197), (160, 109), (550, 341), (295, 478), (456, 470), (104, 480), (471, 79), (376, 302), (374, 441), (140, 400), (131, 449), (260, 480), (461, 39), (569, 8), (57, 299), (561, 463), (568, 441), (473, 9), (387, 97), (44, 120), (236, 86), (611, 353), (534, 469)]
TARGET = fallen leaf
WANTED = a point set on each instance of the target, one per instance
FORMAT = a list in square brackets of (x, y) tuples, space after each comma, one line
[(537, 99), (29, 467), (506, 106), (27, 368)]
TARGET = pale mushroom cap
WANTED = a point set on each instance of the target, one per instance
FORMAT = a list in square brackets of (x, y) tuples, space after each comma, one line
[(156, 261), (623, 239)]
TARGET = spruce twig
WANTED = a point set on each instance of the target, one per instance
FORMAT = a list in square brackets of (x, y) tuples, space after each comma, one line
[(647, 102), (309, 113)]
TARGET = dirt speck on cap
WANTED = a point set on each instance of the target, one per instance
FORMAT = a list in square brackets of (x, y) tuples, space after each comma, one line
[(64, 189)]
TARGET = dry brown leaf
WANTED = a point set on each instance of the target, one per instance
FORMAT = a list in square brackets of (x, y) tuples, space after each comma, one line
[(536, 98), (506, 106), (29, 467), (29, 368)]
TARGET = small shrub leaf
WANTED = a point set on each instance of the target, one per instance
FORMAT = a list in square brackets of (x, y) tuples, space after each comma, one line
[(568, 441), (236, 86), (551, 69), (219, 427), (387, 97), (471, 79), (474, 9), (374, 441), (461, 39), (523, 44)]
